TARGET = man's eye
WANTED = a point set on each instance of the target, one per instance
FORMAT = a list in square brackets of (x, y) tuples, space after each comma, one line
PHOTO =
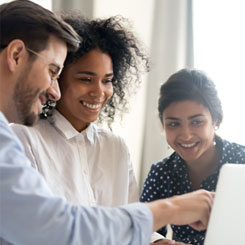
[(53, 73)]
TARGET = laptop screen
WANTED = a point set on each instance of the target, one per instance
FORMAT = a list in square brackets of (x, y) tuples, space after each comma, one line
[(227, 221)]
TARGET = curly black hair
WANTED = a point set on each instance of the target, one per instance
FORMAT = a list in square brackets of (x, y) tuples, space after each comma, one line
[(129, 59)]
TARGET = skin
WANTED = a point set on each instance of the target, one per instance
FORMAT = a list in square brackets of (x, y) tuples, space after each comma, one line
[(190, 131), (192, 209), (29, 81), (168, 242), (86, 86)]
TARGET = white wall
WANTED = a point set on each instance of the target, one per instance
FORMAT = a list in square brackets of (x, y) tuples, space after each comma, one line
[(140, 14), (165, 27), (220, 50)]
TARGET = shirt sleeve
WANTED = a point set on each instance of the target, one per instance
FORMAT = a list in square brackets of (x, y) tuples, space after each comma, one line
[(151, 189), (31, 214), (156, 236)]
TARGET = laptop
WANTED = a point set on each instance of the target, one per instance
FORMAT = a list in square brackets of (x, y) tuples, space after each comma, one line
[(227, 221)]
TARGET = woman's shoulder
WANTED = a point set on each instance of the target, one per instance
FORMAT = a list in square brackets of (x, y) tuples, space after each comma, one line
[(232, 146), (165, 164), (233, 151), (108, 135), (110, 144)]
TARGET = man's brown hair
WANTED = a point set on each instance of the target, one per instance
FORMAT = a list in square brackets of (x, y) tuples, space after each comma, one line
[(33, 24)]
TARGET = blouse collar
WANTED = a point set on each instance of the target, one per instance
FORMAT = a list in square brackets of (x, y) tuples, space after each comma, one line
[(64, 127)]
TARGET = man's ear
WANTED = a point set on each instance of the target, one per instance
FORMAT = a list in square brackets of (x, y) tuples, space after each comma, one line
[(15, 54)]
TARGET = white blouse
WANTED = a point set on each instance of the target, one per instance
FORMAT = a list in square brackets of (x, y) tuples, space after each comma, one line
[(88, 168)]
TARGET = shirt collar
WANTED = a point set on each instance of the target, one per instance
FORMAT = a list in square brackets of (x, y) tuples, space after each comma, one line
[(178, 164), (3, 118), (64, 127)]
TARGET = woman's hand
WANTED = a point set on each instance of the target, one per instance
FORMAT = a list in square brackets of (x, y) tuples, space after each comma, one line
[(168, 242)]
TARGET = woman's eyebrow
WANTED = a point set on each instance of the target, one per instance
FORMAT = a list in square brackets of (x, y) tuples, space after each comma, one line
[(172, 118), (109, 74), (87, 73), (196, 115), (94, 74), (189, 118)]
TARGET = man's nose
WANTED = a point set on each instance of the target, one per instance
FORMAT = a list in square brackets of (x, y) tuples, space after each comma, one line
[(53, 91)]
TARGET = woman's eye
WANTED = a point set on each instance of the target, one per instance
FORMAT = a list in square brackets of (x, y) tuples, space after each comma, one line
[(85, 79), (197, 122), (172, 124), (108, 81)]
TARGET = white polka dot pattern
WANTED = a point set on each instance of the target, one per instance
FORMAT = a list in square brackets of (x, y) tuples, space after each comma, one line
[(170, 177)]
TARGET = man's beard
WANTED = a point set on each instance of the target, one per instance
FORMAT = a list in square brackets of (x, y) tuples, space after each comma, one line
[(24, 99)]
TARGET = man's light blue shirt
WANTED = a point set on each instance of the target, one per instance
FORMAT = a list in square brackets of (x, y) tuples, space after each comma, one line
[(31, 215)]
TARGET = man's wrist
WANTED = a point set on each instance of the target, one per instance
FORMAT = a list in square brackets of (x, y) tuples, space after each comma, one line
[(162, 212)]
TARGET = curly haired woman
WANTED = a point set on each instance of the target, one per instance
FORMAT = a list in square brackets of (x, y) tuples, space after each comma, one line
[(80, 161)]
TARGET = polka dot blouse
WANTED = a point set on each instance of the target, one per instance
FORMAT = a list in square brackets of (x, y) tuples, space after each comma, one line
[(170, 177)]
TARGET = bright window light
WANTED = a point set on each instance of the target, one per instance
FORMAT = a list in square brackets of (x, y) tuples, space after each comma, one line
[(45, 3), (219, 50)]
